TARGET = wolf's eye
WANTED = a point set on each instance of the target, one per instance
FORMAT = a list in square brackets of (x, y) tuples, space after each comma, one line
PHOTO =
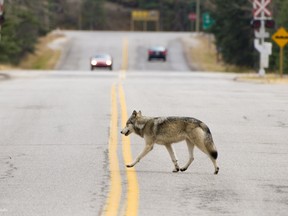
[(128, 123)]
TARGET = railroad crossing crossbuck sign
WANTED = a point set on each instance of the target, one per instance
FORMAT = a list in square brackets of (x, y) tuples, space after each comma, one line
[(1, 6), (261, 6)]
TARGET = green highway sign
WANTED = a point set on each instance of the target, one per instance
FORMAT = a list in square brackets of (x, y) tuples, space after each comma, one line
[(207, 21)]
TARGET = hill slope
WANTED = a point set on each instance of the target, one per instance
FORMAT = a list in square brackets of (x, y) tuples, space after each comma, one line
[(117, 17)]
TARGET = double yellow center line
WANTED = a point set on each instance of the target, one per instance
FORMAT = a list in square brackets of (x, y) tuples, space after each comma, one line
[(133, 189), (113, 203), (114, 196)]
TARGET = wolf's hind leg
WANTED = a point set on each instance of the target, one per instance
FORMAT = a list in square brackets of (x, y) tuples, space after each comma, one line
[(173, 157), (212, 153), (190, 146), (215, 164)]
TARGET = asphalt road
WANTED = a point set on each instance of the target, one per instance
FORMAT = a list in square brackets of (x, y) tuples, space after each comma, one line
[(84, 45), (62, 153)]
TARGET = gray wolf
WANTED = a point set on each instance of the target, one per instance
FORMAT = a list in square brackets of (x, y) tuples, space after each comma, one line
[(168, 130)]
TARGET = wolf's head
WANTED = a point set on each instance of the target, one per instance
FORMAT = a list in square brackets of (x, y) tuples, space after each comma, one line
[(130, 123)]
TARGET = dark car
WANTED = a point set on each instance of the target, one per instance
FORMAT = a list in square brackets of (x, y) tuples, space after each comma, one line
[(101, 61), (158, 52)]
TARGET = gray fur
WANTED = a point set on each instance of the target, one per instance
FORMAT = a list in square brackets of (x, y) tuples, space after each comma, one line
[(168, 130)]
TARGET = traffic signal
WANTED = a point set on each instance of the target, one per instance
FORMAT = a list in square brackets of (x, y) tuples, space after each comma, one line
[(2, 19), (269, 23), (256, 24)]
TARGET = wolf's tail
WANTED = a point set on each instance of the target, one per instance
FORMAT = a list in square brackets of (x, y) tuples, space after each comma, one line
[(208, 141)]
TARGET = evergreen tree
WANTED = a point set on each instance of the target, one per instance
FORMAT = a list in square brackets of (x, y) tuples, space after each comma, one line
[(93, 17), (19, 33), (280, 8), (234, 36)]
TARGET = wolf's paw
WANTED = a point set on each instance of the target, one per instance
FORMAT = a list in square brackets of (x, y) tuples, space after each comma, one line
[(183, 169), (176, 170), (216, 171), (129, 165)]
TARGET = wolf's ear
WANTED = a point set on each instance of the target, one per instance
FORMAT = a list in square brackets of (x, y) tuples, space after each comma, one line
[(139, 113), (134, 113)]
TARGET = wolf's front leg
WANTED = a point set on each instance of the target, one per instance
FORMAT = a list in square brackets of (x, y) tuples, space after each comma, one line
[(145, 151)]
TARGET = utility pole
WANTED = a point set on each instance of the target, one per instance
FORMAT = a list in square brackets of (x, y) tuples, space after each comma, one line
[(177, 25), (80, 16), (197, 15)]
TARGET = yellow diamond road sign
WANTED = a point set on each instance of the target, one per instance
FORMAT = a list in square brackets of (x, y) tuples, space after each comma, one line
[(281, 37)]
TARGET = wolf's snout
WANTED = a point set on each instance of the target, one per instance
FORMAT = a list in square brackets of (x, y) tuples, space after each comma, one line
[(125, 133)]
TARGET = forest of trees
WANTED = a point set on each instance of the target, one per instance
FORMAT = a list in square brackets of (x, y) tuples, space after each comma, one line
[(235, 37), (27, 20)]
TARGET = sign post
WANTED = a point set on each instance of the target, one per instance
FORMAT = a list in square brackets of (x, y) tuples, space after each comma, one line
[(262, 14), (192, 17), (281, 38), (197, 15), (1, 15), (145, 16)]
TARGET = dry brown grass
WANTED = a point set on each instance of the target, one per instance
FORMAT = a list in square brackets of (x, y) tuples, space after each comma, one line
[(44, 58), (7, 67), (268, 78), (203, 55)]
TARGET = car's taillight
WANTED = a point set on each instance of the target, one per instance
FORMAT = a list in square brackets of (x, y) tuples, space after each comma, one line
[(150, 52)]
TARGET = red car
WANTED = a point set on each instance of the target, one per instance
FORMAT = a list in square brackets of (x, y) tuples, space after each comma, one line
[(101, 61), (158, 52)]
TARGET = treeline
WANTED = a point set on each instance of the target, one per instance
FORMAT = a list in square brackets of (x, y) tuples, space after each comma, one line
[(233, 32), (235, 36), (280, 8), (27, 20), (174, 13)]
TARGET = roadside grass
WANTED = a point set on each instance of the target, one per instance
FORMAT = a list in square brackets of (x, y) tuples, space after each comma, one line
[(204, 54), (43, 58), (268, 78), (7, 67)]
